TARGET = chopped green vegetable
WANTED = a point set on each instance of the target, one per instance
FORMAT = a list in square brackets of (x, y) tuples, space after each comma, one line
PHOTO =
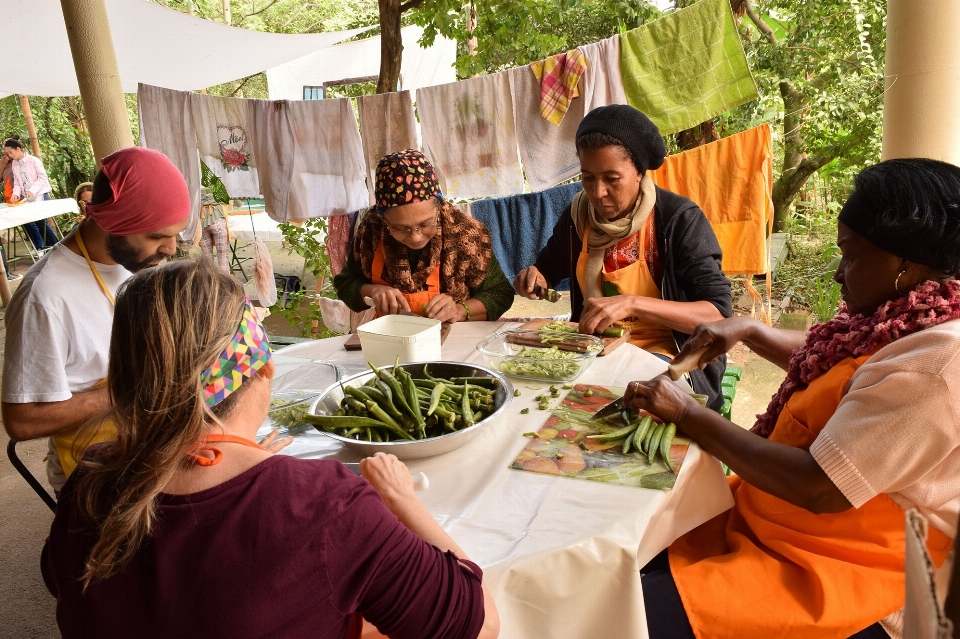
[(531, 434), (516, 392), (524, 411)]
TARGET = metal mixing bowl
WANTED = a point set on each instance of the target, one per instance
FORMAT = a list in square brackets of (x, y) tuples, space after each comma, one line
[(329, 402)]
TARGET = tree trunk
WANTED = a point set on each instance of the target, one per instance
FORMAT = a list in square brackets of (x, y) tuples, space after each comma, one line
[(391, 46), (704, 133)]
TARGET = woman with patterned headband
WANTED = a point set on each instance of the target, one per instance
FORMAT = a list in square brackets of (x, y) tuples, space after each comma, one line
[(416, 252), (185, 527)]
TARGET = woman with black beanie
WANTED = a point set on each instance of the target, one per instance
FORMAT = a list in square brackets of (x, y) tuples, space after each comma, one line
[(638, 256)]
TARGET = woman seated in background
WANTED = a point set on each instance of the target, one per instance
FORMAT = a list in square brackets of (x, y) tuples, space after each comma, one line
[(83, 194), (637, 256), (415, 252), (865, 426), (185, 527)]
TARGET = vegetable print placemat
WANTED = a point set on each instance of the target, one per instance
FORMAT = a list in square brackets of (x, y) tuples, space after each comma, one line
[(570, 445)]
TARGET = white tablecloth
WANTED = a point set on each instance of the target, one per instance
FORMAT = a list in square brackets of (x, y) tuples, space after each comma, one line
[(243, 225), (561, 556), (11, 216)]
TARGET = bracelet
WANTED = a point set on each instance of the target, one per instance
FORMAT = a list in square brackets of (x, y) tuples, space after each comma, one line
[(466, 308)]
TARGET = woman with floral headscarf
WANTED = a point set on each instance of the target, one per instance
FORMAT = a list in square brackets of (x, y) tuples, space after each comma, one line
[(416, 252)]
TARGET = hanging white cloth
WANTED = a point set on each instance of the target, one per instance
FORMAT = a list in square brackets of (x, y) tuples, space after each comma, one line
[(223, 127), (548, 151), (311, 158), (469, 135), (166, 125), (387, 125), (155, 45), (602, 84)]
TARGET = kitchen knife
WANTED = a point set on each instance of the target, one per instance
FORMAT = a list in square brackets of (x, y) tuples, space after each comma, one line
[(613, 408), (420, 481), (682, 365), (545, 293)]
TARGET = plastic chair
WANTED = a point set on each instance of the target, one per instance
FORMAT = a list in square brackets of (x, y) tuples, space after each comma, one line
[(28, 476)]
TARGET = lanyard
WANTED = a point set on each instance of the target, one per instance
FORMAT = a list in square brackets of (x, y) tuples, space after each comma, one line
[(93, 268), (204, 445)]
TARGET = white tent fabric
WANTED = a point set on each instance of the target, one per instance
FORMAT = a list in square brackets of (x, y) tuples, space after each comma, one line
[(419, 67), (155, 45)]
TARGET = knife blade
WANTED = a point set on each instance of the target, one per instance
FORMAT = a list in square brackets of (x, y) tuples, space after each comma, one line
[(611, 409), (545, 293), (420, 481)]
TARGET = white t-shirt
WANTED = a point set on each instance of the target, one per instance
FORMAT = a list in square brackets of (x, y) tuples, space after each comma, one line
[(58, 332), (897, 432)]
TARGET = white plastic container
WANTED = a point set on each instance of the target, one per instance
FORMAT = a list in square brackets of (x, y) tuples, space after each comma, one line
[(414, 339)]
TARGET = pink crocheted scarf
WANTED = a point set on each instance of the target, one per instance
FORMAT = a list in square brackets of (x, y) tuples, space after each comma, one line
[(846, 335)]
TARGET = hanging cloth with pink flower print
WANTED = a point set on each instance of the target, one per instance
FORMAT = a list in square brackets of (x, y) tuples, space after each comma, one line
[(223, 128)]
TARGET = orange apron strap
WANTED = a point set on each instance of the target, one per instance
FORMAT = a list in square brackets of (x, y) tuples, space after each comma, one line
[(418, 300)]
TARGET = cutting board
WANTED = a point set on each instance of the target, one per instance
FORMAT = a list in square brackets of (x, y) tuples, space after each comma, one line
[(353, 342), (609, 343)]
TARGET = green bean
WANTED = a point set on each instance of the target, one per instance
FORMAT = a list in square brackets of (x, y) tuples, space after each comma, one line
[(486, 382), (465, 406), (378, 412), (384, 402), (666, 441), (427, 374), (334, 422), (655, 442), (617, 434), (641, 432), (435, 397)]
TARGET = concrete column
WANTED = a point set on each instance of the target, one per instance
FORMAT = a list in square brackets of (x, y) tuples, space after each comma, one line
[(921, 105), (98, 75)]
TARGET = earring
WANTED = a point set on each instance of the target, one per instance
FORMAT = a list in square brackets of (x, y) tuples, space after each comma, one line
[(896, 283)]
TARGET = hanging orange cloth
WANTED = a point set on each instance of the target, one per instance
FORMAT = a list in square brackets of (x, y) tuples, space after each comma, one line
[(732, 181), (767, 568), (416, 300), (633, 279)]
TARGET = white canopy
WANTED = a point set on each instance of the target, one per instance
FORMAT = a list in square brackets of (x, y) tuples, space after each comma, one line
[(419, 67), (155, 45)]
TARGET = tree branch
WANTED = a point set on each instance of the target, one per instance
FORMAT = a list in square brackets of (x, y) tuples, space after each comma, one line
[(248, 15), (410, 4), (761, 25)]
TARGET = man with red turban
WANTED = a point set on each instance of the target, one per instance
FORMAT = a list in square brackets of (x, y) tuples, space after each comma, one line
[(59, 320)]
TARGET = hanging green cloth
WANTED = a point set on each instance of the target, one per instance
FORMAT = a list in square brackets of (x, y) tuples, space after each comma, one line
[(686, 67)]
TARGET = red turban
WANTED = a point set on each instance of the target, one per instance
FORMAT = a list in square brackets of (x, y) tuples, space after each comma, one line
[(149, 193)]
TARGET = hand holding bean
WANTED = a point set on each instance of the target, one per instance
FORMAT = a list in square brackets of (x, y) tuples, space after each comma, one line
[(526, 279), (388, 300), (661, 397)]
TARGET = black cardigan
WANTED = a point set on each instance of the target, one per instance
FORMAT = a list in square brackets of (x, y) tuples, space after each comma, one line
[(690, 257)]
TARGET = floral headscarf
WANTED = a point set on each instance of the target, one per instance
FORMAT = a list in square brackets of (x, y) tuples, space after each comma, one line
[(405, 177)]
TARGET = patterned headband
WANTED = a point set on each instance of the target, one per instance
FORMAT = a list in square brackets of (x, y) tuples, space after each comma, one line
[(247, 352), (405, 177)]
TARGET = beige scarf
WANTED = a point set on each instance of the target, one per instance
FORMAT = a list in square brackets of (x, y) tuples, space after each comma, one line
[(605, 233)]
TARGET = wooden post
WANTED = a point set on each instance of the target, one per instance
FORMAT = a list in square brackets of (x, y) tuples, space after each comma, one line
[(31, 128), (98, 75), (921, 101)]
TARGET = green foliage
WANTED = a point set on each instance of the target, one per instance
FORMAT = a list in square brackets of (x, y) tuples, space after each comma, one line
[(512, 33), (824, 298), (303, 310), (64, 142), (832, 54)]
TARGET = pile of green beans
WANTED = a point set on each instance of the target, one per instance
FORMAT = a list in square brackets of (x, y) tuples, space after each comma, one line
[(643, 436), (393, 406), (549, 363)]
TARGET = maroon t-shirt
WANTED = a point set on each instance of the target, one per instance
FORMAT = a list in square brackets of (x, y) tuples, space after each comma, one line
[(290, 548)]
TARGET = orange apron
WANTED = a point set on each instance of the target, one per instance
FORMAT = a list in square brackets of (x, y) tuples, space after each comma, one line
[(418, 300), (634, 279), (767, 569)]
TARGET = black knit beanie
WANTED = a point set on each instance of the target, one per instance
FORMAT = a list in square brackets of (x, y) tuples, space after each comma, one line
[(634, 130), (910, 208)]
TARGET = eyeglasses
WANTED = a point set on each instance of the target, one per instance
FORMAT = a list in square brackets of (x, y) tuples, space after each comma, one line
[(423, 229)]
